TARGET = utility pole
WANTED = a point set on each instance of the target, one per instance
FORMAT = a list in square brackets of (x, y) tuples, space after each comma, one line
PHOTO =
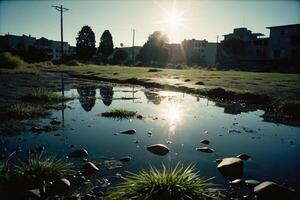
[(133, 32), (61, 9)]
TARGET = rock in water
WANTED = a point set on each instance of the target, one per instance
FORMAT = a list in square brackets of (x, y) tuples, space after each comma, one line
[(243, 156), (78, 153), (125, 159), (60, 186), (269, 190), (231, 168), (219, 160), (89, 168), (128, 132), (238, 183), (205, 149), (252, 183), (204, 142), (158, 149)]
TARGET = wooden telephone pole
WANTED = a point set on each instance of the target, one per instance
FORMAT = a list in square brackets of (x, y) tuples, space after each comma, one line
[(133, 32), (61, 9)]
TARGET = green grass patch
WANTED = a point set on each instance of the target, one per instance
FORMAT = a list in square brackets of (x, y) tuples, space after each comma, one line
[(179, 183), (119, 113), (23, 111), (43, 95)]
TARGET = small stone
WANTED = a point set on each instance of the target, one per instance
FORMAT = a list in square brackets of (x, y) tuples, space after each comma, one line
[(128, 132), (89, 168), (78, 153), (243, 156), (150, 133), (60, 186), (125, 159), (205, 149), (251, 183), (238, 183), (270, 190), (57, 134), (139, 116), (219, 160), (204, 142), (158, 149), (231, 168)]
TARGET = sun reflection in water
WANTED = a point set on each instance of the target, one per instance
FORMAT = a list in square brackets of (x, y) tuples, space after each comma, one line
[(173, 115)]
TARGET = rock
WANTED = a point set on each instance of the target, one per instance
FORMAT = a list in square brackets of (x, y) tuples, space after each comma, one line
[(234, 131), (33, 194), (128, 132), (89, 168), (125, 159), (57, 134), (238, 183), (243, 156), (219, 160), (113, 164), (270, 190), (204, 142), (251, 183), (158, 149), (78, 153), (139, 116), (60, 186), (205, 149), (55, 122), (150, 133), (231, 168)]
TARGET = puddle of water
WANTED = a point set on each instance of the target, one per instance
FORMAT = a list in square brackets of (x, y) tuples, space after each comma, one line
[(180, 121)]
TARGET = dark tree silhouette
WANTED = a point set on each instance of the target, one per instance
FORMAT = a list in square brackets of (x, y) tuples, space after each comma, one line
[(107, 94), (85, 43), (87, 97), (106, 46), (154, 51), (120, 56)]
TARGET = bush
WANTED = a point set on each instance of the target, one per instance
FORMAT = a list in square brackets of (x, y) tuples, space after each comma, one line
[(177, 184), (7, 60)]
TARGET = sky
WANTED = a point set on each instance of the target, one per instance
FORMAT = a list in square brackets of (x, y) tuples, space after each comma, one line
[(181, 19)]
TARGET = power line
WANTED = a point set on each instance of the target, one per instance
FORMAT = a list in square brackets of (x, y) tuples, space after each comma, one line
[(61, 9)]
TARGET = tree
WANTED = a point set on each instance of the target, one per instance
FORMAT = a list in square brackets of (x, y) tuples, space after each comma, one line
[(106, 47), (85, 43), (120, 56), (154, 51)]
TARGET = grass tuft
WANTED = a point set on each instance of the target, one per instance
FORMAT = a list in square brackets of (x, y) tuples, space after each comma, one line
[(43, 95), (37, 170), (119, 113), (7, 60), (179, 183), (23, 111)]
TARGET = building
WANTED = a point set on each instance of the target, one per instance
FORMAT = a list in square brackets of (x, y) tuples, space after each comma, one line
[(284, 42), (244, 48), (51, 47), (193, 52)]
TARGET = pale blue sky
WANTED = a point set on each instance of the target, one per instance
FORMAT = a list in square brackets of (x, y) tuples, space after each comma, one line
[(200, 19)]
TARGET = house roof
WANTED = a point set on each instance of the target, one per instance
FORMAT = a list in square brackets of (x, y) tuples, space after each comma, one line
[(289, 25)]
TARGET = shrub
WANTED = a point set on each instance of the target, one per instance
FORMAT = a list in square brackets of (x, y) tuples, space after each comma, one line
[(7, 60), (177, 184)]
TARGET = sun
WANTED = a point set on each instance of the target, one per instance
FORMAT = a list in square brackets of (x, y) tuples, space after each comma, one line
[(173, 20)]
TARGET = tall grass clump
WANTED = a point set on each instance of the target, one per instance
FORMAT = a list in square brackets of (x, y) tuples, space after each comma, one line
[(119, 113), (179, 183), (7, 60), (43, 95), (35, 171)]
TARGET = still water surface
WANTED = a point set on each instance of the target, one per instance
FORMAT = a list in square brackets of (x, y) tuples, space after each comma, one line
[(180, 121)]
